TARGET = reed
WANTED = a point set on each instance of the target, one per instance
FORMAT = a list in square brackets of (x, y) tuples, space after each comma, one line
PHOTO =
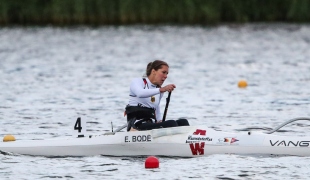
[(101, 12)]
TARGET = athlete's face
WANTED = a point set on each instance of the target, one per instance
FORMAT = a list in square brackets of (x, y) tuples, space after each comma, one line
[(160, 75)]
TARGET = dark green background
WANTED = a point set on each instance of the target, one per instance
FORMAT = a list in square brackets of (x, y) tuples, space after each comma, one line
[(102, 12)]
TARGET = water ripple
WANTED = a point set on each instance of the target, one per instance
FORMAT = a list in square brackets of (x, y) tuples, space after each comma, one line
[(50, 76)]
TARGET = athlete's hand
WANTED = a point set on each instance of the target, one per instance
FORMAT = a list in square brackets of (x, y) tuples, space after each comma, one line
[(169, 88)]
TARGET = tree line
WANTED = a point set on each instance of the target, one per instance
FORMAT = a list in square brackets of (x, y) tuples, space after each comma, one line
[(107, 12)]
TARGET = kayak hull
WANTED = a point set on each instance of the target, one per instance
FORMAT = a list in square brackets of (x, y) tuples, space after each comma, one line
[(187, 141)]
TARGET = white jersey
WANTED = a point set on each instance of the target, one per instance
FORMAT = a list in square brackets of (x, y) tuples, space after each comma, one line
[(145, 95)]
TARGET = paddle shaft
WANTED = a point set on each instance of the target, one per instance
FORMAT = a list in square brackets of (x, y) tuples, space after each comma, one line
[(117, 130), (120, 128), (166, 108)]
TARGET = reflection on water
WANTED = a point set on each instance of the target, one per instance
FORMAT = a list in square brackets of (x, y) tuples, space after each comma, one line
[(51, 76)]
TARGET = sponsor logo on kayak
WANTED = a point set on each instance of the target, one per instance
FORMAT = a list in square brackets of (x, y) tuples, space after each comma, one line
[(195, 144), (290, 143), (200, 132), (139, 138), (197, 148), (228, 140), (198, 136), (195, 139)]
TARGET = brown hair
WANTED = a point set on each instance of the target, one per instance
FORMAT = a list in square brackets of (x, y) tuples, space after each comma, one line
[(157, 64)]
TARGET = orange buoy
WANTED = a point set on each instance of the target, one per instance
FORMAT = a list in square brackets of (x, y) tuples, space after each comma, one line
[(151, 162), (8, 138), (242, 84)]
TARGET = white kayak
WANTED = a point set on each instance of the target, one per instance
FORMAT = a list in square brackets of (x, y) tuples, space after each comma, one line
[(186, 141)]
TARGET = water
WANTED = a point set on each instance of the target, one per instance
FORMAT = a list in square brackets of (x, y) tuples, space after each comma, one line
[(50, 76)]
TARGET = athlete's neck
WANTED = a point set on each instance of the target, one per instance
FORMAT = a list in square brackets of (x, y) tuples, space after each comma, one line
[(152, 80)]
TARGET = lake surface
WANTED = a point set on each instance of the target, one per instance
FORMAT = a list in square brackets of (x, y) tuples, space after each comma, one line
[(50, 76)]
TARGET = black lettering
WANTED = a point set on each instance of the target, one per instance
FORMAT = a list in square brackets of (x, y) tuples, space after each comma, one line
[(282, 143), (304, 143), (139, 138), (148, 137), (77, 125), (272, 144), (290, 142)]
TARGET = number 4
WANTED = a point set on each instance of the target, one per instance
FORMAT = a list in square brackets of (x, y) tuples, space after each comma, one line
[(77, 125)]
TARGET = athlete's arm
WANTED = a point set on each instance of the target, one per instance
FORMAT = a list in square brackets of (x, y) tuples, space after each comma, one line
[(137, 88)]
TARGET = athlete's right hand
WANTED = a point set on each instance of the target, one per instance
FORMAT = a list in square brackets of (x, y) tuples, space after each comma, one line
[(169, 88)]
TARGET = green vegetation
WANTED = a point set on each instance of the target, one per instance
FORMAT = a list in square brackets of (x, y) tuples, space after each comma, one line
[(101, 12)]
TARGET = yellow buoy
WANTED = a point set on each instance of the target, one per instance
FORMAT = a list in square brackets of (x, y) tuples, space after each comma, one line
[(8, 138), (242, 84)]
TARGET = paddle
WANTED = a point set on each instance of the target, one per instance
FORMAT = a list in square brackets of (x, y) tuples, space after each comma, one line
[(117, 130), (166, 108)]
